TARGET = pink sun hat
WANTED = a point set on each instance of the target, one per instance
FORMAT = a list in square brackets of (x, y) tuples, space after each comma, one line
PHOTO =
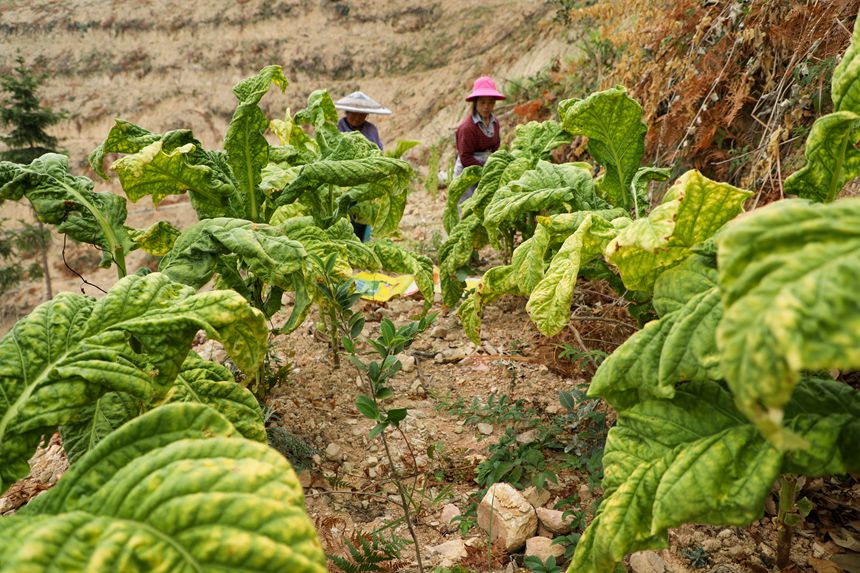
[(484, 87)]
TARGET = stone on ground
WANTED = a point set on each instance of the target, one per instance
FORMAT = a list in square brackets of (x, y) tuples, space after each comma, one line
[(543, 548), (553, 520), (449, 512), (448, 553), (647, 562), (507, 516)]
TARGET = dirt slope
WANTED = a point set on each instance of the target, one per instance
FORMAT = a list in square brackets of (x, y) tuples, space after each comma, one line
[(165, 64)]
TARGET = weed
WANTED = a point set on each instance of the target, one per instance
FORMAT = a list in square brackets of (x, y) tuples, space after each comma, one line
[(577, 356), (569, 542), (697, 557), (515, 463), (496, 410), (535, 565), (370, 553)]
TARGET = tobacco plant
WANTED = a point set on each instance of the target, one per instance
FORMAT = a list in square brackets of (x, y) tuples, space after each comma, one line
[(728, 392), (176, 489), (569, 219), (261, 207), (89, 366)]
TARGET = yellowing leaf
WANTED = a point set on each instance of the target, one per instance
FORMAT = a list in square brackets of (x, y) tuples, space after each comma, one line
[(692, 211)]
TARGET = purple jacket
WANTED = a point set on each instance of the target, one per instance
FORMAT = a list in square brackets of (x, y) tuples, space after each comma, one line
[(367, 129)]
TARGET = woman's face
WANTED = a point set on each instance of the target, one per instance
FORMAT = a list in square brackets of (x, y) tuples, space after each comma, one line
[(485, 105), (355, 119)]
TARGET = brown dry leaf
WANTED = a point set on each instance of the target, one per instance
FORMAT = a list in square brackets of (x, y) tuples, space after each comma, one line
[(845, 539), (850, 561), (824, 566)]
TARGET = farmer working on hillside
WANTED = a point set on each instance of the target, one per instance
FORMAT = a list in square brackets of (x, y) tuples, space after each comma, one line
[(478, 133), (357, 106)]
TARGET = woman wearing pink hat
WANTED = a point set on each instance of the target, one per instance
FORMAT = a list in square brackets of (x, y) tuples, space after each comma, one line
[(478, 133)]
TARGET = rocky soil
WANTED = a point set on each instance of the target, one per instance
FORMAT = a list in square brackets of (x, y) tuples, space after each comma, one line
[(169, 64)]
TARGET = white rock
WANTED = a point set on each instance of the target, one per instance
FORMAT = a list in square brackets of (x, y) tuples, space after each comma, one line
[(449, 512), (527, 437), (647, 562), (507, 517), (407, 361), (449, 553), (458, 429), (485, 428), (552, 519), (439, 332), (536, 497), (333, 452), (543, 548)]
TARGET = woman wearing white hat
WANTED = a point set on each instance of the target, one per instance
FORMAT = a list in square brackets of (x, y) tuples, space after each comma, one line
[(357, 106)]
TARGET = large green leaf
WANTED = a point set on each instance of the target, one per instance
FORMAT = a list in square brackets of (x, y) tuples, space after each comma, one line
[(528, 263), (157, 173), (827, 415), (545, 189), (470, 176), (693, 458), (693, 210), (274, 258), (680, 346), (247, 149), (844, 89), (68, 201), (697, 459), (501, 168), (832, 160), (550, 300), (72, 350), (539, 139), (198, 381), (157, 240), (788, 274), (205, 382), (125, 137), (612, 122), (454, 254), (173, 490), (495, 283), (320, 111), (346, 173), (395, 258), (98, 420)]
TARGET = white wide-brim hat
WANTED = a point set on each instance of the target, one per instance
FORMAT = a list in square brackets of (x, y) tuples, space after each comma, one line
[(360, 102)]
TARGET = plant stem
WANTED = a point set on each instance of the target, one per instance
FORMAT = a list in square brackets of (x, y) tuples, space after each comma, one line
[(404, 501), (334, 342), (787, 491)]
